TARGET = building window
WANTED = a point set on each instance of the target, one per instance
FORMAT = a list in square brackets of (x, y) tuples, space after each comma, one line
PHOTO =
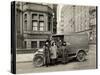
[(62, 30), (49, 26), (49, 18), (25, 16), (62, 20), (38, 22), (91, 36), (54, 30), (41, 24), (25, 44), (34, 16), (42, 43), (49, 23), (62, 25), (34, 25), (25, 24), (41, 17), (33, 44)]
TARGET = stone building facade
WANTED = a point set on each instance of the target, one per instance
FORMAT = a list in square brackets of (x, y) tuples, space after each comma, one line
[(78, 19), (34, 23), (92, 24)]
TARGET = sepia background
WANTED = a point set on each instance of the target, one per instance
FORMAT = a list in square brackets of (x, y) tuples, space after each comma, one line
[(36, 22)]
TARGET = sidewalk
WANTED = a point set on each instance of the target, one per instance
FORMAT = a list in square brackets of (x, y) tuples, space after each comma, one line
[(24, 57)]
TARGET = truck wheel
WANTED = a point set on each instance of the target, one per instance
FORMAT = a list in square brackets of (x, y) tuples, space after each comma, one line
[(81, 56), (38, 61)]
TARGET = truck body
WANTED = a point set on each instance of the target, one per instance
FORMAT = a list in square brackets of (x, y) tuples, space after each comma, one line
[(75, 42)]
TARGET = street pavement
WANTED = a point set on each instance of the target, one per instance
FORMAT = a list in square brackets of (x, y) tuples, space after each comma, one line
[(90, 63)]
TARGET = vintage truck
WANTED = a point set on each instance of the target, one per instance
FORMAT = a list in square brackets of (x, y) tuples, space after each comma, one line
[(77, 45)]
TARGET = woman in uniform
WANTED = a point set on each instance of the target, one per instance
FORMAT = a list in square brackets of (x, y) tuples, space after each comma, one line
[(64, 53), (47, 53), (53, 51)]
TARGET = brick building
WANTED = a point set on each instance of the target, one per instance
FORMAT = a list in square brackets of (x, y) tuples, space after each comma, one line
[(35, 23), (78, 19)]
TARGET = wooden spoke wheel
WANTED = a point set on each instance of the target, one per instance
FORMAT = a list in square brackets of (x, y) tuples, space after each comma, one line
[(81, 56), (38, 61)]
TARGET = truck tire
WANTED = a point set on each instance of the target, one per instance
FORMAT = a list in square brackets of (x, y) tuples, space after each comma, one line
[(81, 56), (38, 60)]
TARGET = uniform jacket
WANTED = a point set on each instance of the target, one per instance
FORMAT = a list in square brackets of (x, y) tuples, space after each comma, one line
[(53, 51)]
